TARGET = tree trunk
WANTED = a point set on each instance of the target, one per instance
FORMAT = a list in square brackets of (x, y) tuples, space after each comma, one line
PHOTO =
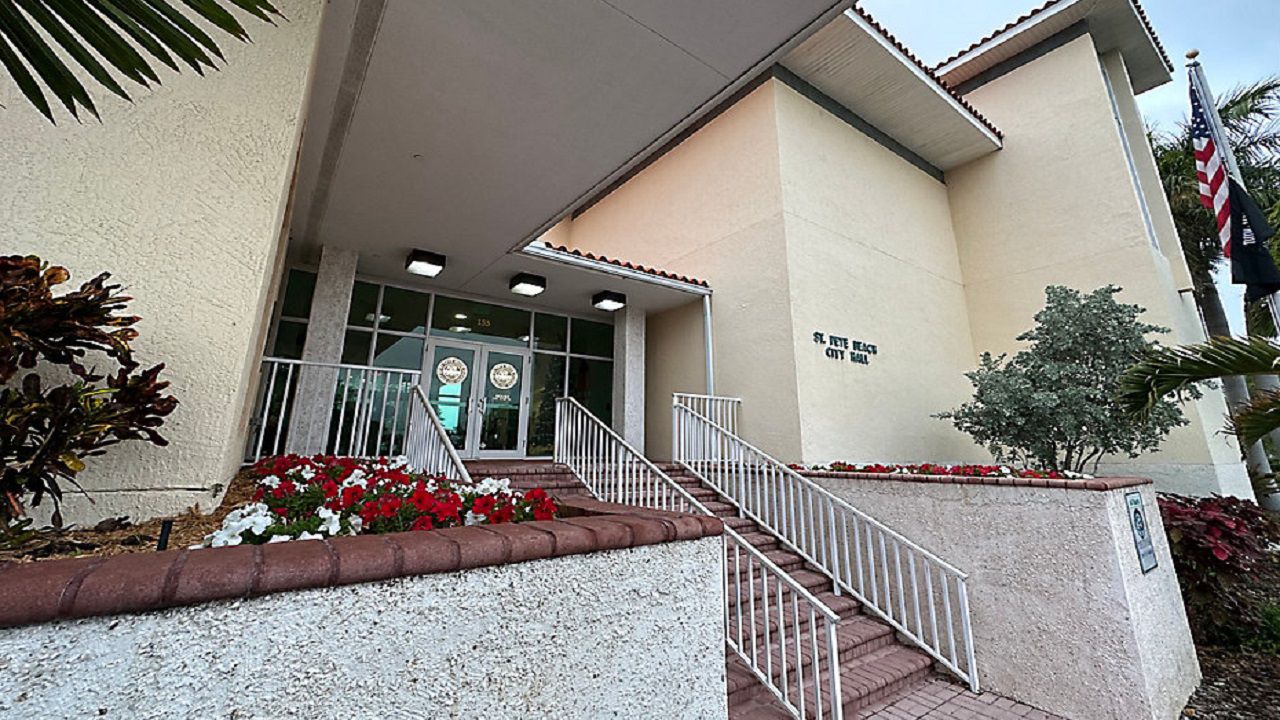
[(1233, 387)]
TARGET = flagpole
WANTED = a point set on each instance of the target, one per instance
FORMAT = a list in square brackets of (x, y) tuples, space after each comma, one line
[(1223, 145), (1209, 105)]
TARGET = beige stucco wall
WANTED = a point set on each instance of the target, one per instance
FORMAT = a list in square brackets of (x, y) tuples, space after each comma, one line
[(871, 256), (181, 195), (712, 207), (1063, 616), (1058, 205)]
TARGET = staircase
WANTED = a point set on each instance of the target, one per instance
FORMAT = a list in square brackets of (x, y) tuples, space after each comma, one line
[(874, 666), (558, 480)]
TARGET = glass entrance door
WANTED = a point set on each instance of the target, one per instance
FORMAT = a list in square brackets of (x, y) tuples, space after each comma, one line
[(502, 404), (480, 394), (450, 375)]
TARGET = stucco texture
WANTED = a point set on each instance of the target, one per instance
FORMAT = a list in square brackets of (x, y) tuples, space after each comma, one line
[(181, 195), (1036, 213), (1063, 617), (632, 633)]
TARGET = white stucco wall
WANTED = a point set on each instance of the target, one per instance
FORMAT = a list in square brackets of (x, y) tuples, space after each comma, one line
[(634, 633), (181, 195), (1063, 617), (1067, 211)]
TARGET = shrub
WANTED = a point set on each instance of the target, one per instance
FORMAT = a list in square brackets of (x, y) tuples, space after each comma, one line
[(1218, 545), (47, 431), (305, 498), (1054, 405)]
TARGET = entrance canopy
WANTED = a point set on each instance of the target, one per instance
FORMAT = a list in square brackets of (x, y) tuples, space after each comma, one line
[(469, 128)]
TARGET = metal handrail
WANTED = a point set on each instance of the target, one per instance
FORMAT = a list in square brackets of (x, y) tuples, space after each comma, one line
[(860, 554), (614, 471), (432, 452)]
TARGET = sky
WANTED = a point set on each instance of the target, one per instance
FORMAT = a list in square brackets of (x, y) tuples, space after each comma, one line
[(1239, 43)]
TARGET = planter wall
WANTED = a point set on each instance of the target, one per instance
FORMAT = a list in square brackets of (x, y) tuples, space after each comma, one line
[(1063, 616), (585, 617)]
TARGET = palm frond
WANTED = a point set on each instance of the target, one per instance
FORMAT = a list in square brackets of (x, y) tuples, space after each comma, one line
[(1164, 370), (1256, 420), (122, 33)]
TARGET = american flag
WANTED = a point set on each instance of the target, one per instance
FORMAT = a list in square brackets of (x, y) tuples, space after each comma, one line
[(1215, 191)]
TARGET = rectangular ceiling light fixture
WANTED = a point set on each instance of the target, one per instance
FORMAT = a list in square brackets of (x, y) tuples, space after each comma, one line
[(424, 263), (609, 301)]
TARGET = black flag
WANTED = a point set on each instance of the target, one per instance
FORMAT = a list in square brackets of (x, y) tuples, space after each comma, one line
[(1251, 263)]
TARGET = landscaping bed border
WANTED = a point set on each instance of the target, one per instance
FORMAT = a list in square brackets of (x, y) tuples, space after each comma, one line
[(139, 582), (1096, 484)]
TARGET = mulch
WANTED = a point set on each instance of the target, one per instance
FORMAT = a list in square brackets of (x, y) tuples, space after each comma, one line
[(1241, 683), (117, 536)]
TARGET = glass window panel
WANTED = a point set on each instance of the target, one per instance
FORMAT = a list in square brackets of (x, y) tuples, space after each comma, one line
[(550, 332), (451, 372), (364, 304), (398, 351), (548, 384), (290, 337), (479, 322), (404, 310), (355, 347), (592, 338), (591, 383), (299, 287)]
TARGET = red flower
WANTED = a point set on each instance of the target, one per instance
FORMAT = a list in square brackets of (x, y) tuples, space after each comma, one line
[(545, 510), (330, 489), (423, 522), (484, 505), (536, 495), (422, 500)]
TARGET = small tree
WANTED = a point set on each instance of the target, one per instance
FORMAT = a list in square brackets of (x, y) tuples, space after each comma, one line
[(1053, 405), (46, 432)]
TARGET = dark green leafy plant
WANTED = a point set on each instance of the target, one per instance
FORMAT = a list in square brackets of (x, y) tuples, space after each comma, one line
[(118, 32), (1218, 544), (47, 432), (1052, 406)]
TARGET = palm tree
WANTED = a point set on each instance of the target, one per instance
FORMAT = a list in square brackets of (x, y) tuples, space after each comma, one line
[(1249, 115), (1161, 371), (118, 32)]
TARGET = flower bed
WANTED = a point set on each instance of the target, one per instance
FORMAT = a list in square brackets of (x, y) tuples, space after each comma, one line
[(311, 498), (936, 469)]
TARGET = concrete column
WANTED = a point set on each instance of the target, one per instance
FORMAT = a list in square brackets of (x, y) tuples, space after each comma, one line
[(628, 375), (326, 329)]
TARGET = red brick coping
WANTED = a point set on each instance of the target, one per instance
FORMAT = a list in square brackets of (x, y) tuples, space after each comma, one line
[(91, 586), (1104, 483)]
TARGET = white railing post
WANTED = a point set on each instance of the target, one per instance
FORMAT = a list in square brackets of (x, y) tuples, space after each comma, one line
[(863, 559), (615, 472)]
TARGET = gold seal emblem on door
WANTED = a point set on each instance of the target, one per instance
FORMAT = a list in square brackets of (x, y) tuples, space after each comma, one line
[(504, 376), (451, 371)]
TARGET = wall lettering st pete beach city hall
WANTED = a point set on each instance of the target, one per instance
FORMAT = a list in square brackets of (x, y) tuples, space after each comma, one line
[(841, 348)]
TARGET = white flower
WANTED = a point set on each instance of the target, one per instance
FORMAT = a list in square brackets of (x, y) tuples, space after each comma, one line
[(330, 521), (279, 539), (356, 522), (304, 535), (473, 519), (493, 486)]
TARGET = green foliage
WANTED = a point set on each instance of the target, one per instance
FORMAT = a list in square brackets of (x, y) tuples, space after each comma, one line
[(1219, 545), (1161, 371), (47, 432), (118, 32), (1053, 405)]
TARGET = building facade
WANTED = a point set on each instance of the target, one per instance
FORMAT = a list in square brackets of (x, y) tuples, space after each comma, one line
[(823, 227)]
